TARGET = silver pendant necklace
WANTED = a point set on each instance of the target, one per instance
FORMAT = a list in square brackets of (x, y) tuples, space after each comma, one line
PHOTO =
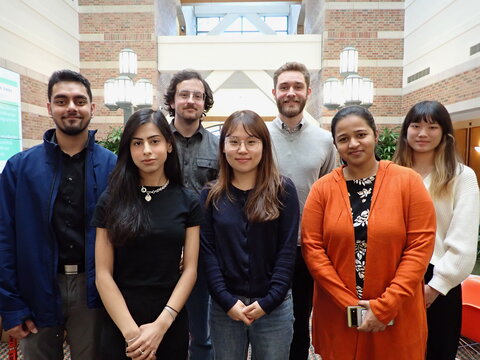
[(149, 193)]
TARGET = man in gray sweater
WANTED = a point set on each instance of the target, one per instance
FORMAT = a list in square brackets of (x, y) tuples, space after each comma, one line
[(304, 153)]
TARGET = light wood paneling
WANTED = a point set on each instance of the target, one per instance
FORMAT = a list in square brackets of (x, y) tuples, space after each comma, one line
[(474, 161), (461, 143)]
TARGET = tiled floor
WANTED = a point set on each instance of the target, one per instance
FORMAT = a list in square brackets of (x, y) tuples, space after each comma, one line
[(468, 350), (4, 353)]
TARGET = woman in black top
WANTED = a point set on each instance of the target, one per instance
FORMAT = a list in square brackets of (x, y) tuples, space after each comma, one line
[(143, 221)]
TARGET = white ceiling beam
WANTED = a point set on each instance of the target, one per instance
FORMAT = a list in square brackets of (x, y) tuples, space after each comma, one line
[(260, 24), (224, 24), (217, 78), (262, 80)]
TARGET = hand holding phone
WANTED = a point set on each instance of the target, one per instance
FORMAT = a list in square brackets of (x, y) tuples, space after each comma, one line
[(370, 322), (355, 315)]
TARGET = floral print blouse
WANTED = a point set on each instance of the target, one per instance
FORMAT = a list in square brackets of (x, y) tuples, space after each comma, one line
[(360, 192)]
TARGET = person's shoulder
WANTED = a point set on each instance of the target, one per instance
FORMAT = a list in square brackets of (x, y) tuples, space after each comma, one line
[(333, 176), (328, 180), (104, 197), (466, 177), (397, 172), (31, 154), (104, 151), (464, 171), (104, 157), (287, 183), (395, 168), (185, 193), (315, 130), (209, 136), (275, 124)]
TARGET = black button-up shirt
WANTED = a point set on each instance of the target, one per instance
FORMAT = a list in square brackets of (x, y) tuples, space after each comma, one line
[(69, 212), (198, 157)]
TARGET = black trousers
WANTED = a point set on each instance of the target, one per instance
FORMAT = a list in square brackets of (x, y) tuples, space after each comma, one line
[(444, 319), (302, 296), (145, 306)]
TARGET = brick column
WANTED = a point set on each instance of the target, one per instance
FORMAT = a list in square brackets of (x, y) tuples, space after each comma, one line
[(106, 27)]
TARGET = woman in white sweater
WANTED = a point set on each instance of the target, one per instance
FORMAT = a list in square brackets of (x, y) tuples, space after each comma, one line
[(427, 145)]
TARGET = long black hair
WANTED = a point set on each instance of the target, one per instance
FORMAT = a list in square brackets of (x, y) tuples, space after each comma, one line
[(126, 215)]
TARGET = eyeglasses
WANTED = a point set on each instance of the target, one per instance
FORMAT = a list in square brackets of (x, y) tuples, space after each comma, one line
[(196, 95), (235, 143)]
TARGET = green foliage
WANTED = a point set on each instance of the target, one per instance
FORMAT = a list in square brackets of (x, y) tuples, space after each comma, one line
[(387, 141), (476, 269), (478, 246), (112, 141)]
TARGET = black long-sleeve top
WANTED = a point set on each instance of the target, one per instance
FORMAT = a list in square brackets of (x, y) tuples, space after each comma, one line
[(255, 260)]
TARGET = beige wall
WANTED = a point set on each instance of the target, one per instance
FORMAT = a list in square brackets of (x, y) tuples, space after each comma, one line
[(35, 41), (438, 35), (37, 38)]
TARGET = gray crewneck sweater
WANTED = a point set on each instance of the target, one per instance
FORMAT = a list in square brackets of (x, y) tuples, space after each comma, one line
[(304, 155)]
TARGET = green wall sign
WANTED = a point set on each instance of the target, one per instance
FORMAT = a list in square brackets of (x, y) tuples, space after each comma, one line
[(10, 116)]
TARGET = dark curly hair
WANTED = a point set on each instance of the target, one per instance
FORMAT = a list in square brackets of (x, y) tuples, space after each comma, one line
[(183, 75)]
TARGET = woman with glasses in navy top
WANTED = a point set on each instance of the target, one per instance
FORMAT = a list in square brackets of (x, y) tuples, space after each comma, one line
[(248, 243)]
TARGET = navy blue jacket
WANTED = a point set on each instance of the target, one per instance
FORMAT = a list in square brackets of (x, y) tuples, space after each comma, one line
[(255, 260), (28, 247)]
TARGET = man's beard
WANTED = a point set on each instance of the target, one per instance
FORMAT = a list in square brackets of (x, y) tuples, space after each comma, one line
[(288, 111), (73, 130), (190, 118)]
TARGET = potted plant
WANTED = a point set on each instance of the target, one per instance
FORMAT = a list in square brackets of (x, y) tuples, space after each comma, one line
[(387, 141), (112, 141)]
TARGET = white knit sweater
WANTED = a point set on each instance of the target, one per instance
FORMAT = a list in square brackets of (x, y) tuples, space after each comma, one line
[(457, 231)]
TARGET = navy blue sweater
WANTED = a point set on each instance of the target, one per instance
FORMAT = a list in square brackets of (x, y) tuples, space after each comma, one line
[(254, 260)]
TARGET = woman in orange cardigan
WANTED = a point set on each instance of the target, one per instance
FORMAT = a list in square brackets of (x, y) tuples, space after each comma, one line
[(368, 232)]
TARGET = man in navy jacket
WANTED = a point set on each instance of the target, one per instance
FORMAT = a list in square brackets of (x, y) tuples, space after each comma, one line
[(47, 197)]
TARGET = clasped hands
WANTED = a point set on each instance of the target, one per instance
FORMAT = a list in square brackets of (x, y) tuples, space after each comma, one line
[(370, 322), (144, 345), (247, 314)]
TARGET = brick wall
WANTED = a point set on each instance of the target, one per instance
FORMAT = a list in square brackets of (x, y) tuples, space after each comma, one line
[(34, 92), (454, 89), (34, 126), (123, 26), (360, 28)]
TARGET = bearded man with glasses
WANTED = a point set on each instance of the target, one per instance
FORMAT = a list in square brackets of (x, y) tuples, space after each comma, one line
[(188, 99)]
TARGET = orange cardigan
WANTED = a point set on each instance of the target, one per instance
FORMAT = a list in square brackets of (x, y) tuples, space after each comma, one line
[(401, 235)]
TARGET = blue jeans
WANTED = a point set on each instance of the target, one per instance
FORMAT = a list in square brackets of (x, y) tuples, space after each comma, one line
[(270, 336)]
